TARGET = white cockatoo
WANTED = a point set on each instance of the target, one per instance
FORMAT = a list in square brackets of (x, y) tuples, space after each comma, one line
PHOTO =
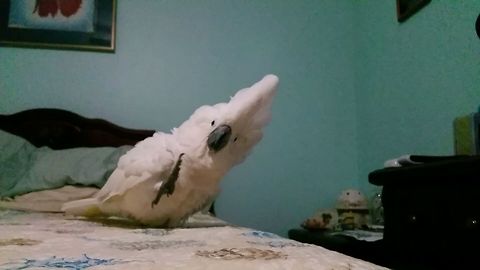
[(169, 176)]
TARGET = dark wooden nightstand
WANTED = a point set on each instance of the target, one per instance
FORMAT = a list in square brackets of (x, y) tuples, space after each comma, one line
[(368, 251), (432, 212)]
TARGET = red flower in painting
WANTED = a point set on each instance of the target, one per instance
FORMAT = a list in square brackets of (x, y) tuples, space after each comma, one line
[(69, 7), (46, 7), (51, 7)]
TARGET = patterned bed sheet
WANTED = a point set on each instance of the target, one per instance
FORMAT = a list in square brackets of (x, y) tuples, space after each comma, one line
[(31, 240)]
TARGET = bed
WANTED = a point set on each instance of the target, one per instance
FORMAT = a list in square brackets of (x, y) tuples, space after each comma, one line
[(53, 152)]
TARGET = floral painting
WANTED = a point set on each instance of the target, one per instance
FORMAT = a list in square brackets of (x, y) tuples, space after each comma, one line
[(58, 24), (68, 15)]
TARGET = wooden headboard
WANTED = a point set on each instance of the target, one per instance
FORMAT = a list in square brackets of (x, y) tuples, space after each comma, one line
[(61, 129)]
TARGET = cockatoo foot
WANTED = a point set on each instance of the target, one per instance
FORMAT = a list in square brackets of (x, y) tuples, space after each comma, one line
[(169, 186)]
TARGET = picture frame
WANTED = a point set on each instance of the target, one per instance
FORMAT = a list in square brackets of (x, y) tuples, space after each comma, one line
[(87, 25), (477, 26), (406, 8)]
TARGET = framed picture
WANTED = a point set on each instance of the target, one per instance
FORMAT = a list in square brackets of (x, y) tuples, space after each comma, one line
[(58, 24), (406, 8)]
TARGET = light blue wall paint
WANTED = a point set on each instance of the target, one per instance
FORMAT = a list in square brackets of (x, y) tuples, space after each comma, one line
[(413, 79), (173, 56), (336, 60)]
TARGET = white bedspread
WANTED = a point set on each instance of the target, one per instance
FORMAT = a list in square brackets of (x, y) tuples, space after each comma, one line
[(52, 240)]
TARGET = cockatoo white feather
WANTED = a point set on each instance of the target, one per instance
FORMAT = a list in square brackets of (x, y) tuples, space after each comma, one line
[(169, 176)]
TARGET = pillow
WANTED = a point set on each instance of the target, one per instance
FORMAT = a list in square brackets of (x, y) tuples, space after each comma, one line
[(14, 151), (25, 168)]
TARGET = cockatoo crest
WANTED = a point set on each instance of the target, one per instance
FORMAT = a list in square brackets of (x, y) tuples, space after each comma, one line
[(243, 117)]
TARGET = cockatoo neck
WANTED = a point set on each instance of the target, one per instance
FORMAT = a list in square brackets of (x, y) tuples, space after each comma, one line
[(201, 159)]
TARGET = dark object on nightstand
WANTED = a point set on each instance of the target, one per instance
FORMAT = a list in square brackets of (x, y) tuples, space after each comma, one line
[(432, 213)]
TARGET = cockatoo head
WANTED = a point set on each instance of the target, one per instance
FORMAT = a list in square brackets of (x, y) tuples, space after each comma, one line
[(225, 133)]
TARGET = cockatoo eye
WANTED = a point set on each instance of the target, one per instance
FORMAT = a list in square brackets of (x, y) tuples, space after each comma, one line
[(213, 123)]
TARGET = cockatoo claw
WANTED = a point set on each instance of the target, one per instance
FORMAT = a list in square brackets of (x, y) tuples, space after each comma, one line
[(168, 187)]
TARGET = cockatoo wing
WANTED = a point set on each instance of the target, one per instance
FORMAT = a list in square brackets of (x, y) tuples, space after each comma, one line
[(153, 157)]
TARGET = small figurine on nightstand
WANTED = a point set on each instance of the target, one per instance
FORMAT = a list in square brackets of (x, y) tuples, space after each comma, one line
[(351, 213), (326, 219), (352, 209)]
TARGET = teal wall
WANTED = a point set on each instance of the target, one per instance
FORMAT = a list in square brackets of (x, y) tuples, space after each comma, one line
[(412, 79), (173, 56), (357, 87)]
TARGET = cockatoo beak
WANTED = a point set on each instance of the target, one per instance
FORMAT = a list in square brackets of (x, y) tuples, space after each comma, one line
[(219, 137)]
